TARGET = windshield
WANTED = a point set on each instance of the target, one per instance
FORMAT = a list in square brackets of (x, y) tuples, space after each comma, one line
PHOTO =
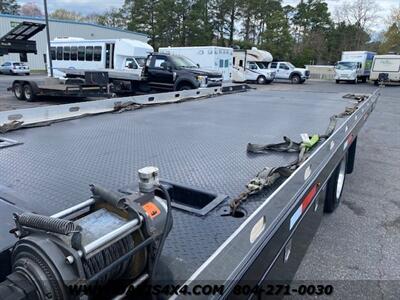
[(346, 65), (290, 65), (262, 65), (141, 61), (183, 62)]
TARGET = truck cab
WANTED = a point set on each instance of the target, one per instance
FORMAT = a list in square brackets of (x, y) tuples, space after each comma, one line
[(176, 73), (287, 71), (348, 71)]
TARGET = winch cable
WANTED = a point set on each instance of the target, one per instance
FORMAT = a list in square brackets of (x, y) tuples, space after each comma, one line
[(268, 176), (167, 226)]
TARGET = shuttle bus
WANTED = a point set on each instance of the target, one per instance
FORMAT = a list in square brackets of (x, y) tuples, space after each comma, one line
[(112, 54)]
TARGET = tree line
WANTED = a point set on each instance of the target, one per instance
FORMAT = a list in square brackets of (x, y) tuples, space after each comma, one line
[(307, 33)]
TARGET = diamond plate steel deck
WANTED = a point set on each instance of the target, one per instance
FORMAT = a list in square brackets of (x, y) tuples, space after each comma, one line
[(199, 143)]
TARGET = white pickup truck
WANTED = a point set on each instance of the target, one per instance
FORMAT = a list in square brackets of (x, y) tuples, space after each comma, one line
[(285, 70)]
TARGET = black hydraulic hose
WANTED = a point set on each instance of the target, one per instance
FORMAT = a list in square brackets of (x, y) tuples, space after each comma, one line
[(168, 222)]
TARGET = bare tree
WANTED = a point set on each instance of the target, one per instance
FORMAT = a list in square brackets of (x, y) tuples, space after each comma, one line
[(31, 9), (363, 13)]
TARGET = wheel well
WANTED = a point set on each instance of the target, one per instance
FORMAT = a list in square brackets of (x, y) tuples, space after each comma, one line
[(294, 74), (183, 83)]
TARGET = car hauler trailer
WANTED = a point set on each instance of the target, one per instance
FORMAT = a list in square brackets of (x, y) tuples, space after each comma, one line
[(211, 220)]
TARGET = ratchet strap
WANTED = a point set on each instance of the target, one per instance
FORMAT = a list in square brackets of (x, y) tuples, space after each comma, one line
[(268, 176)]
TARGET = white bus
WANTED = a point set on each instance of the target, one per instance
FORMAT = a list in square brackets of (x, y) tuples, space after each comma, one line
[(111, 54), (207, 57)]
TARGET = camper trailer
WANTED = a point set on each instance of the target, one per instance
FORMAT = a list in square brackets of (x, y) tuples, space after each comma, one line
[(207, 57), (112, 54), (252, 66), (386, 67)]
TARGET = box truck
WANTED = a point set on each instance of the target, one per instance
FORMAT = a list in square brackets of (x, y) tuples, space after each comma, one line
[(207, 57), (354, 66)]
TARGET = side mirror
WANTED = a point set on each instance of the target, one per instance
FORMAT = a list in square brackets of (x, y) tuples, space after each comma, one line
[(198, 65)]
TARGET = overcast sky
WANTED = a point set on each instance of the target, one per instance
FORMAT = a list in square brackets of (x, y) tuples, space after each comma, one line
[(99, 6)]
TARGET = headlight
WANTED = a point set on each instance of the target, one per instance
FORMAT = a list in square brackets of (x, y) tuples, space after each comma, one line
[(202, 80)]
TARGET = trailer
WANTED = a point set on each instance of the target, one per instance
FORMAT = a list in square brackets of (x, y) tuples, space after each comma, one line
[(386, 68), (169, 195), (209, 57)]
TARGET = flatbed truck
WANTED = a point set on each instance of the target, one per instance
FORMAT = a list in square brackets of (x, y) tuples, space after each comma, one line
[(162, 72), (144, 196)]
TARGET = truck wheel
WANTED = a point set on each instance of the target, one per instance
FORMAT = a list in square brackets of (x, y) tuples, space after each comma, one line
[(376, 82), (18, 91), (337, 81), (261, 80), (364, 80), (29, 93), (296, 79), (335, 186)]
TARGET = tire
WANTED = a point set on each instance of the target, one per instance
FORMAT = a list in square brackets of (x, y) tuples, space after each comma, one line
[(295, 79), (261, 80), (27, 74), (184, 88), (334, 189), (376, 82), (364, 80), (29, 94), (337, 81), (18, 91)]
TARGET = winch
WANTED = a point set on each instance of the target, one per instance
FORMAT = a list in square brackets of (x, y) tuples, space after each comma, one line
[(97, 248)]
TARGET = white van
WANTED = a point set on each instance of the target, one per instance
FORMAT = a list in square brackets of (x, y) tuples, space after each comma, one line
[(386, 66), (111, 54), (252, 65), (207, 57)]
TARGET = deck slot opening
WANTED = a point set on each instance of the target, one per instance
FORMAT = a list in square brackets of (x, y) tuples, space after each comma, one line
[(192, 200)]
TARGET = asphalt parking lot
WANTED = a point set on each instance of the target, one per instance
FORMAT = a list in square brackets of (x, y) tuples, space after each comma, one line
[(357, 248)]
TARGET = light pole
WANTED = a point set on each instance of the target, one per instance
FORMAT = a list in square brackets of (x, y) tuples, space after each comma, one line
[(46, 16)]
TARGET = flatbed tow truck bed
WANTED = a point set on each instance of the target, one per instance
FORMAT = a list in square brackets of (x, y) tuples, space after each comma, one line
[(200, 144)]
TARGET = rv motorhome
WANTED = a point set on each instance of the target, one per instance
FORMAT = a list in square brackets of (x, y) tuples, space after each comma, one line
[(207, 57), (111, 54), (252, 65)]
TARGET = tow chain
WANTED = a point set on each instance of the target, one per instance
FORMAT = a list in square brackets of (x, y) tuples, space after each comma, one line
[(268, 176)]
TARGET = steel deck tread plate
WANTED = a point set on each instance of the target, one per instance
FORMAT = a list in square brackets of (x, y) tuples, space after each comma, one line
[(198, 143)]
